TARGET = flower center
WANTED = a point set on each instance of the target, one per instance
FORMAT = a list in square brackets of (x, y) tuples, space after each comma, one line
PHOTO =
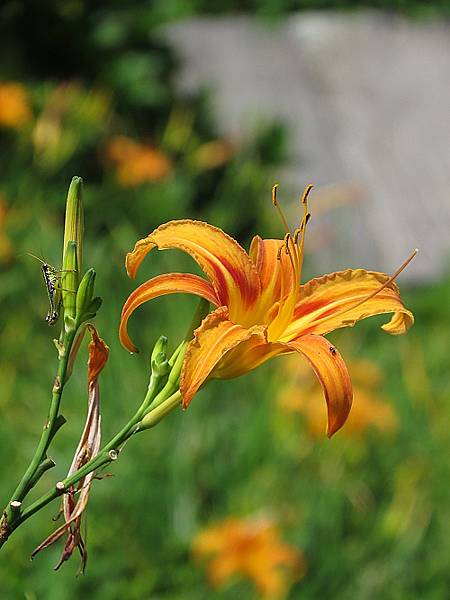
[(290, 275)]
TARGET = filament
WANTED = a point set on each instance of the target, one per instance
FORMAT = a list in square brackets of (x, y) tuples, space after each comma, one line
[(279, 209), (384, 285), (300, 238)]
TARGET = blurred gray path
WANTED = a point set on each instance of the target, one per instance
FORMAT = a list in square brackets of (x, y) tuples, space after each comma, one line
[(367, 101)]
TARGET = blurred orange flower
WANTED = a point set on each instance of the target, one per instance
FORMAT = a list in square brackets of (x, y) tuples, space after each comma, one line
[(370, 409), (250, 548), (212, 154), (15, 108), (137, 163)]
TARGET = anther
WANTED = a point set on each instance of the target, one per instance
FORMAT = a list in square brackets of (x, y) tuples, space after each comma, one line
[(274, 194), (297, 233), (306, 192)]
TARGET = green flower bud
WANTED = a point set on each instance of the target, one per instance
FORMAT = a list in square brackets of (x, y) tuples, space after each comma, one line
[(153, 417), (175, 371), (84, 294), (93, 308), (69, 280), (74, 222), (72, 247), (158, 362)]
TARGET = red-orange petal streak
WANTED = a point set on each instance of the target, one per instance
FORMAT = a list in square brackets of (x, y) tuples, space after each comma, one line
[(170, 283), (226, 264), (326, 303)]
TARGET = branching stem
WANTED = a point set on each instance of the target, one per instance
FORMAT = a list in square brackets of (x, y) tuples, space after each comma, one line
[(168, 399)]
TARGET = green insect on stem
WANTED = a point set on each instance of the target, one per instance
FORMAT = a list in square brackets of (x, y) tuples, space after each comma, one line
[(54, 297)]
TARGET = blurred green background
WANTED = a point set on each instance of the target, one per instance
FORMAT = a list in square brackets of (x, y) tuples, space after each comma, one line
[(90, 92)]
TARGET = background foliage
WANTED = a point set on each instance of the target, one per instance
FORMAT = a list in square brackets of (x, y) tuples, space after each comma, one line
[(370, 512)]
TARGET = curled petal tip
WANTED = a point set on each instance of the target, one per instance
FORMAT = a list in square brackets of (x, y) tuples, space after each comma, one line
[(134, 258), (129, 267)]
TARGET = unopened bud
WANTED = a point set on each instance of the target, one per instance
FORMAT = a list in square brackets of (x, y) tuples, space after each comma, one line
[(84, 295), (159, 412), (72, 246), (158, 362), (74, 222), (69, 280), (175, 371)]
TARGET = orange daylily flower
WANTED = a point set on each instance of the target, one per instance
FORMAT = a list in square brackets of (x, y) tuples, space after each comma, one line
[(262, 310), (137, 163), (250, 548)]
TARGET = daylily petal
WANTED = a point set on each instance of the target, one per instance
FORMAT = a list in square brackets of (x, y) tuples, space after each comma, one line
[(215, 337), (323, 357), (332, 373), (274, 270), (252, 351), (331, 302), (227, 265), (161, 285)]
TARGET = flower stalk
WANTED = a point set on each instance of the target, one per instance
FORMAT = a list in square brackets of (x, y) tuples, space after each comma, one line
[(72, 257), (162, 397)]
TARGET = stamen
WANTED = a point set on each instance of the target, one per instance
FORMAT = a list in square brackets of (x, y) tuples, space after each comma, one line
[(306, 193), (304, 222), (300, 241), (285, 245), (279, 209), (287, 239), (274, 194)]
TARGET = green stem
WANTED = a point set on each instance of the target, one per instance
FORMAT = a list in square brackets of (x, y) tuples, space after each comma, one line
[(154, 407), (49, 429), (107, 454), (39, 463)]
